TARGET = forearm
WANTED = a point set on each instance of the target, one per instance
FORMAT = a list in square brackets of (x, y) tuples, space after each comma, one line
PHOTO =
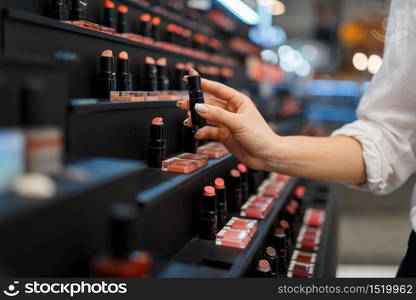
[(322, 158)]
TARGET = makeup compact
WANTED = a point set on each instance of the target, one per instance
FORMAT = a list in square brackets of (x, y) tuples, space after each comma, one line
[(234, 238), (257, 207), (213, 150), (243, 224), (314, 217)]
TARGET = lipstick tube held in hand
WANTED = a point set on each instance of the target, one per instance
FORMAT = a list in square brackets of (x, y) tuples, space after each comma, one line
[(196, 95)]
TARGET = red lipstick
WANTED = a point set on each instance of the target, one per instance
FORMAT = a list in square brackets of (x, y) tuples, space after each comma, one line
[(145, 25), (234, 191), (150, 82), (208, 216), (122, 23), (157, 143), (156, 29), (109, 14), (106, 81), (123, 76), (220, 190)]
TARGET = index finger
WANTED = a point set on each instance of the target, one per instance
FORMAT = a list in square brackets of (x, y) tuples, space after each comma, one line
[(222, 91)]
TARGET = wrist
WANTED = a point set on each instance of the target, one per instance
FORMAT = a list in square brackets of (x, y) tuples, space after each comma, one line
[(275, 153)]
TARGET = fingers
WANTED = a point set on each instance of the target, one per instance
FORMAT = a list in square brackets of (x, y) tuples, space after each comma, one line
[(184, 105), (188, 123), (207, 132), (218, 115), (223, 92)]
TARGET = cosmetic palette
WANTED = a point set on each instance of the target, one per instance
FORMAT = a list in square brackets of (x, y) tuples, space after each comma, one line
[(184, 163), (147, 96), (300, 270), (304, 257), (243, 224), (91, 26), (271, 188), (234, 238), (314, 217), (257, 207), (213, 150), (308, 239)]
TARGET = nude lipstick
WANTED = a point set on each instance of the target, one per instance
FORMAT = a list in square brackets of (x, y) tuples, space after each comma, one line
[(123, 76), (106, 81), (263, 269), (196, 95), (221, 192), (242, 168), (271, 256), (78, 10), (150, 82), (280, 243), (234, 191), (109, 14), (157, 143), (122, 24), (208, 216), (162, 74)]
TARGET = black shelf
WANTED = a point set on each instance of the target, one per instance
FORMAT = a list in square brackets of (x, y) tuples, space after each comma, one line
[(24, 16), (60, 236), (232, 262), (169, 205)]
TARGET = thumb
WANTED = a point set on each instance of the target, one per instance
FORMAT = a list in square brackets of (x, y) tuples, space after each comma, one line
[(219, 115)]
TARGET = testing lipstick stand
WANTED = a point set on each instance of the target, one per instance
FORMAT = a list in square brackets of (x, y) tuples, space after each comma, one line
[(61, 236)]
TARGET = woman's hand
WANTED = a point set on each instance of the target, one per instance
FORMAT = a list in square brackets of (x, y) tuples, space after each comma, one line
[(234, 120)]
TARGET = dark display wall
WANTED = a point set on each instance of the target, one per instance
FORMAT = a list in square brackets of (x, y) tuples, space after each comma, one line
[(74, 225)]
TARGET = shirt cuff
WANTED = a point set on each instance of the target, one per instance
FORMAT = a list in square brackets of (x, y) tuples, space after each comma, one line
[(377, 167)]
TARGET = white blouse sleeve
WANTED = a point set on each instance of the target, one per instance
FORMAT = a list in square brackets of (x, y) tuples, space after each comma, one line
[(386, 125)]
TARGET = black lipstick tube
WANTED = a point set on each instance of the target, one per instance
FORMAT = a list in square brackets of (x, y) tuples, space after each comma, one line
[(106, 79), (150, 82), (78, 10), (180, 84), (280, 243), (162, 78), (271, 256), (190, 143), (221, 206), (208, 218), (196, 95), (109, 17), (122, 24), (123, 76), (244, 186), (234, 193), (145, 28), (156, 146), (58, 10)]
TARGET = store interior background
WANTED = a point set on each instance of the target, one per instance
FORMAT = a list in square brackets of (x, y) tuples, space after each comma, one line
[(343, 41)]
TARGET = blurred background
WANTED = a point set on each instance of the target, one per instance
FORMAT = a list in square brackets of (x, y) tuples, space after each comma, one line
[(328, 51)]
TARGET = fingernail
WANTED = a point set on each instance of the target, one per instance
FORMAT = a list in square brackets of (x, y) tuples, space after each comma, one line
[(179, 103), (201, 108), (193, 72), (186, 122), (185, 78)]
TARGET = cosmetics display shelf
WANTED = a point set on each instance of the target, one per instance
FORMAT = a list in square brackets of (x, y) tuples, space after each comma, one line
[(169, 205), (171, 16), (12, 14), (74, 220), (326, 261), (121, 129), (228, 262)]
